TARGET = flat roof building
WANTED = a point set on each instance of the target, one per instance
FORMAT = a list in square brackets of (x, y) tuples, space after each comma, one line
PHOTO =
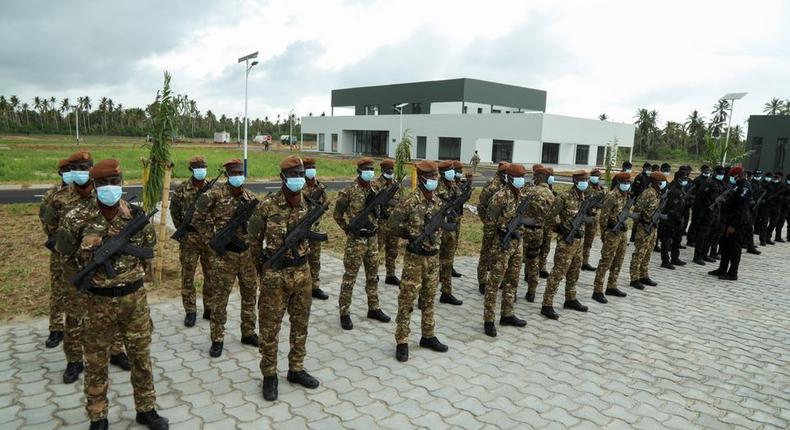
[(768, 139), (451, 119)]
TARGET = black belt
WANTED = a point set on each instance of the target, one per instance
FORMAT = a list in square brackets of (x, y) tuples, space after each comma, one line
[(291, 262), (366, 234), (533, 227), (119, 291), (424, 253)]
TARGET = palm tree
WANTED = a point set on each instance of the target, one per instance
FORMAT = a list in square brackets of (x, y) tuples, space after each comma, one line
[(645, 128), (54, 111), (65, 107), (695, 127), (25, 108), (719, 117), (38, 105), (603, 117), (774, 107), (14, 102), (4, 108)]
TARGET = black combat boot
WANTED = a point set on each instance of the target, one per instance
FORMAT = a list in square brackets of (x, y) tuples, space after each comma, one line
[(716, 272), (698, 260), (378, 315), (544, 274), (189, 319), (638, 285), (512, 321), (121, 360), (678, 262), (402, 352), (599, 297), (708, 259), (489, 329), (207, 314), (392, 280), (216, 349), (614, 292), (754, 251), (728, 277), (54, 339), (530, 297), (481, 288), (456, 274), (770, 242), (251, 340), (302, 378), (152, 420), (450, 300), (667, 265), (320, 294), (270, 388), (588, 267), (433, 343), (72, 372), (102, 424), (575, 305), (548, 312), (648, 281), (345, 322)]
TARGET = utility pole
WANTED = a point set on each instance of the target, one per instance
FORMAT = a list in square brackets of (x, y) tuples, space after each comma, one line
[(247, 66)]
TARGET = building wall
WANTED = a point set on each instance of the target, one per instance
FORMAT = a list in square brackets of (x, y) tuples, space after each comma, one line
[(770, 128)]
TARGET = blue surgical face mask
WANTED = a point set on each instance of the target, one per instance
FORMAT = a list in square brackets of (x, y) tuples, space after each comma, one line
[(109, 194), (732, 179), (582, 185), (295, 184), (518, 182), (648, 172), (459, 175), (706, 174), (757, 178), (662, 185), (431, 184), (627, 170), (787, 182), (550, 180), (387, 175), (625, 187), (236, 181), (309, 173), (199, 173), (767, 179), (68, 177), (719, 177), (81, 177), (775, 181), (449, 174), (366, 175), (683, 183), (594, 179)]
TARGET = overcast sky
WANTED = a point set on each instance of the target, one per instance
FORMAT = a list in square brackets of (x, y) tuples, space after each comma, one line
[(591, 56)]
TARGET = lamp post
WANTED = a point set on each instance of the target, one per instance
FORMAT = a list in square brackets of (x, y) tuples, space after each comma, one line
[(731, 97), (399, 108), (247, 66), (77, 122)]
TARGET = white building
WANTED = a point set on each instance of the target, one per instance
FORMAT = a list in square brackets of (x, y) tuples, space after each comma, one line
[(221, 137), (452, 119)]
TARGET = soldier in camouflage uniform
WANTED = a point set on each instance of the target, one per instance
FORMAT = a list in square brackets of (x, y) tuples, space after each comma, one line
[(213, 211), (112, 305), (484, 263), (590, 230), (541, 203), (315, 194), (448, 191), (361, 247), (548, 233), (506, 262), (567, 257), (389, 243), (420, 268), (288, 288), (191, 247), (614, 244), (646, 205)]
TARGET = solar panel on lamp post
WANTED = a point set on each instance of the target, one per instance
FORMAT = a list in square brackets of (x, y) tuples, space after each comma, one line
[(731, 97), (247, 66)]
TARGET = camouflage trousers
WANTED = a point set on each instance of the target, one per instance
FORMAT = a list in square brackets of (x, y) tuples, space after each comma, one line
[(545, 248), (612, 254), (533, 243), (485, 261), (504, 276), (567, 264), (57, 292), (314, 260), (389, 245), (286, 289), (419, 279), (643, 249), (224, 272), (447, 247), (590, 231), (104, 317), (360, 251), (190, 251)]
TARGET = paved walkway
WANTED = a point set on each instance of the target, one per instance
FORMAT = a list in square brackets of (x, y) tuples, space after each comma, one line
[(693, 352)]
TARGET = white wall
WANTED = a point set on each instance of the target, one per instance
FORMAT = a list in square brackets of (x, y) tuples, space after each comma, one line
[(445, 107), (471, 108)]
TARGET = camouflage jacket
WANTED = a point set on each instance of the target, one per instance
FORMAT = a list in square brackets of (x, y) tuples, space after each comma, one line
[(350, 201), (566, 207), (592, 191), (270, 224), (486, 193), (315, 192), (502, 207), (612, 206), (382, 183), (84, 229), (646, 204), (183, 197), (541, 202), (54, 205), (447, 191), (417, 209), (215, 209)]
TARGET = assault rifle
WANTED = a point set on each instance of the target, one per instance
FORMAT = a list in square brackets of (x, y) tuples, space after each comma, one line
[(583, 216), (186, 223), (301, 231), (460, 200), (716, 205), (756, 204), (51, 239), (362, 220), (226, 239), (515, 224), (657, 214), (623, 216), (118, 244), (432, 225)]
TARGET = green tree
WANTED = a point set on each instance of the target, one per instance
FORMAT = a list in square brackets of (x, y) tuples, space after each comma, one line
[(695, 128), (774, 107), (159, 156)]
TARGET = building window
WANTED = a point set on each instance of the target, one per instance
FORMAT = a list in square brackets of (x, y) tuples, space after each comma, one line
[(600, 156), (496, 111), (321, 139), (757, 147), (371, 109), (582, 154), (781, 147), (502, 150), (421, 143), (479, 110), (449, 148), (464, 109), (334, 142), (551, 153), (416, 108)]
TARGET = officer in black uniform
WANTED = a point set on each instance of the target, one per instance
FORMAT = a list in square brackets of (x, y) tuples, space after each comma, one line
[(670, 231), (735, 216), (707, 230)]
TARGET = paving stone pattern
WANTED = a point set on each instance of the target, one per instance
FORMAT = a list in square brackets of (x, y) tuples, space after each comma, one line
[(693, 352)]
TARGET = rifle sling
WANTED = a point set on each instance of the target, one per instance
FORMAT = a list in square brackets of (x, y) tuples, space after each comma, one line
[(119, 291)]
